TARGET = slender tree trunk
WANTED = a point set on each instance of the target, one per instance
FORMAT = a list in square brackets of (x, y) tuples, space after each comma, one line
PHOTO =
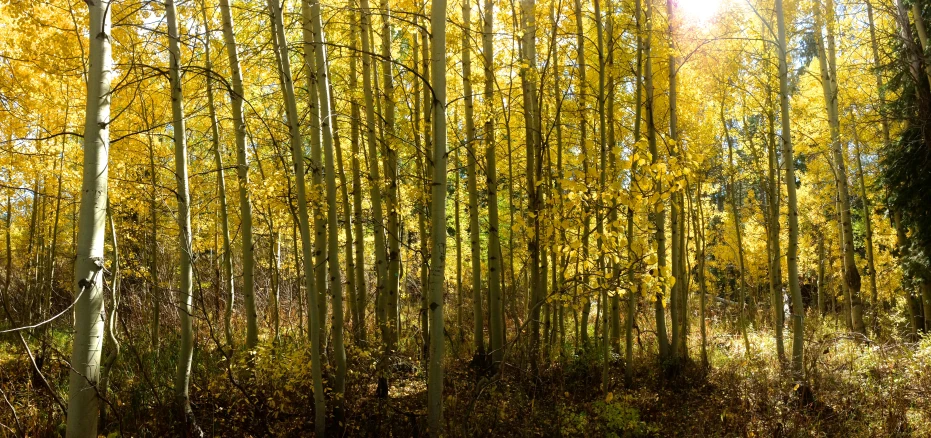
[(528, 81), (868, 225), (583, 125), (374, 174), (326, 129), (698, 222), (775, 279), (297, 155), (496, 309), (227, 260), (242, 173), (438, 213), (472, 183), (361, 292), (391, 173), (110, 328), (798, 313), (632, 257), (735, 212), (829, 84), (182, 381), (658, 215)]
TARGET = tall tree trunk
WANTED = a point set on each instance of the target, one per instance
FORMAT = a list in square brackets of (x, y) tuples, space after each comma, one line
[(735, 213), (698, 222), (316, 158), (528, 82), (868, 225), (110, 326), (83, 399), (438, 213), (361, 292), (826, 59), (472, 183), (632, 257), (774, 197), (154, 291), (297, 156), (227, 260), (391, 173), (374, 174), (659, 214), (336, 284), (798, 313), (583, 125), (496, 309), (182, 381), (242, 173)]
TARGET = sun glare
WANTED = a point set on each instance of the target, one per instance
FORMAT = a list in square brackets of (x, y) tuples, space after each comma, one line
[(700, 11)]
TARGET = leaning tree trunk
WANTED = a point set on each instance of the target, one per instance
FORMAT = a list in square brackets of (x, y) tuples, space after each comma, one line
[(83, 399), (826, 60), (297, 157)]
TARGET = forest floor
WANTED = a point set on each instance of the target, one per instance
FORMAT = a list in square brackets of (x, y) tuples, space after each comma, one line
[(853, 388)]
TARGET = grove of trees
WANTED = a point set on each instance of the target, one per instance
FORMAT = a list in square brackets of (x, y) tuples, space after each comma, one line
[(454, 218)]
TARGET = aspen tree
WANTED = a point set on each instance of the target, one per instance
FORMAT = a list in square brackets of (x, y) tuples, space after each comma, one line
[(391, 173), (227, 257), (472, 183), (827, 62), (583, 143), (237, 96), (83, 400), (735, 212), (658, 214), (297, 157), (638, 119), (182, 381), (798, 313), (438, 213), (320, 208), (355, 169), (374, 174), (326, 129), (496, 307)]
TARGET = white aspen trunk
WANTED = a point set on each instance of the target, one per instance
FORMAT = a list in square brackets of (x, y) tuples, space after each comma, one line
[(227, 261), (798, 315), (472, 183), (496, 308), (326, 115), (182, 381), (438, 213), (826, 60), (355, 168), (297, 157), (242, 173), (391, 173), (83, 400), (659, 217)]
